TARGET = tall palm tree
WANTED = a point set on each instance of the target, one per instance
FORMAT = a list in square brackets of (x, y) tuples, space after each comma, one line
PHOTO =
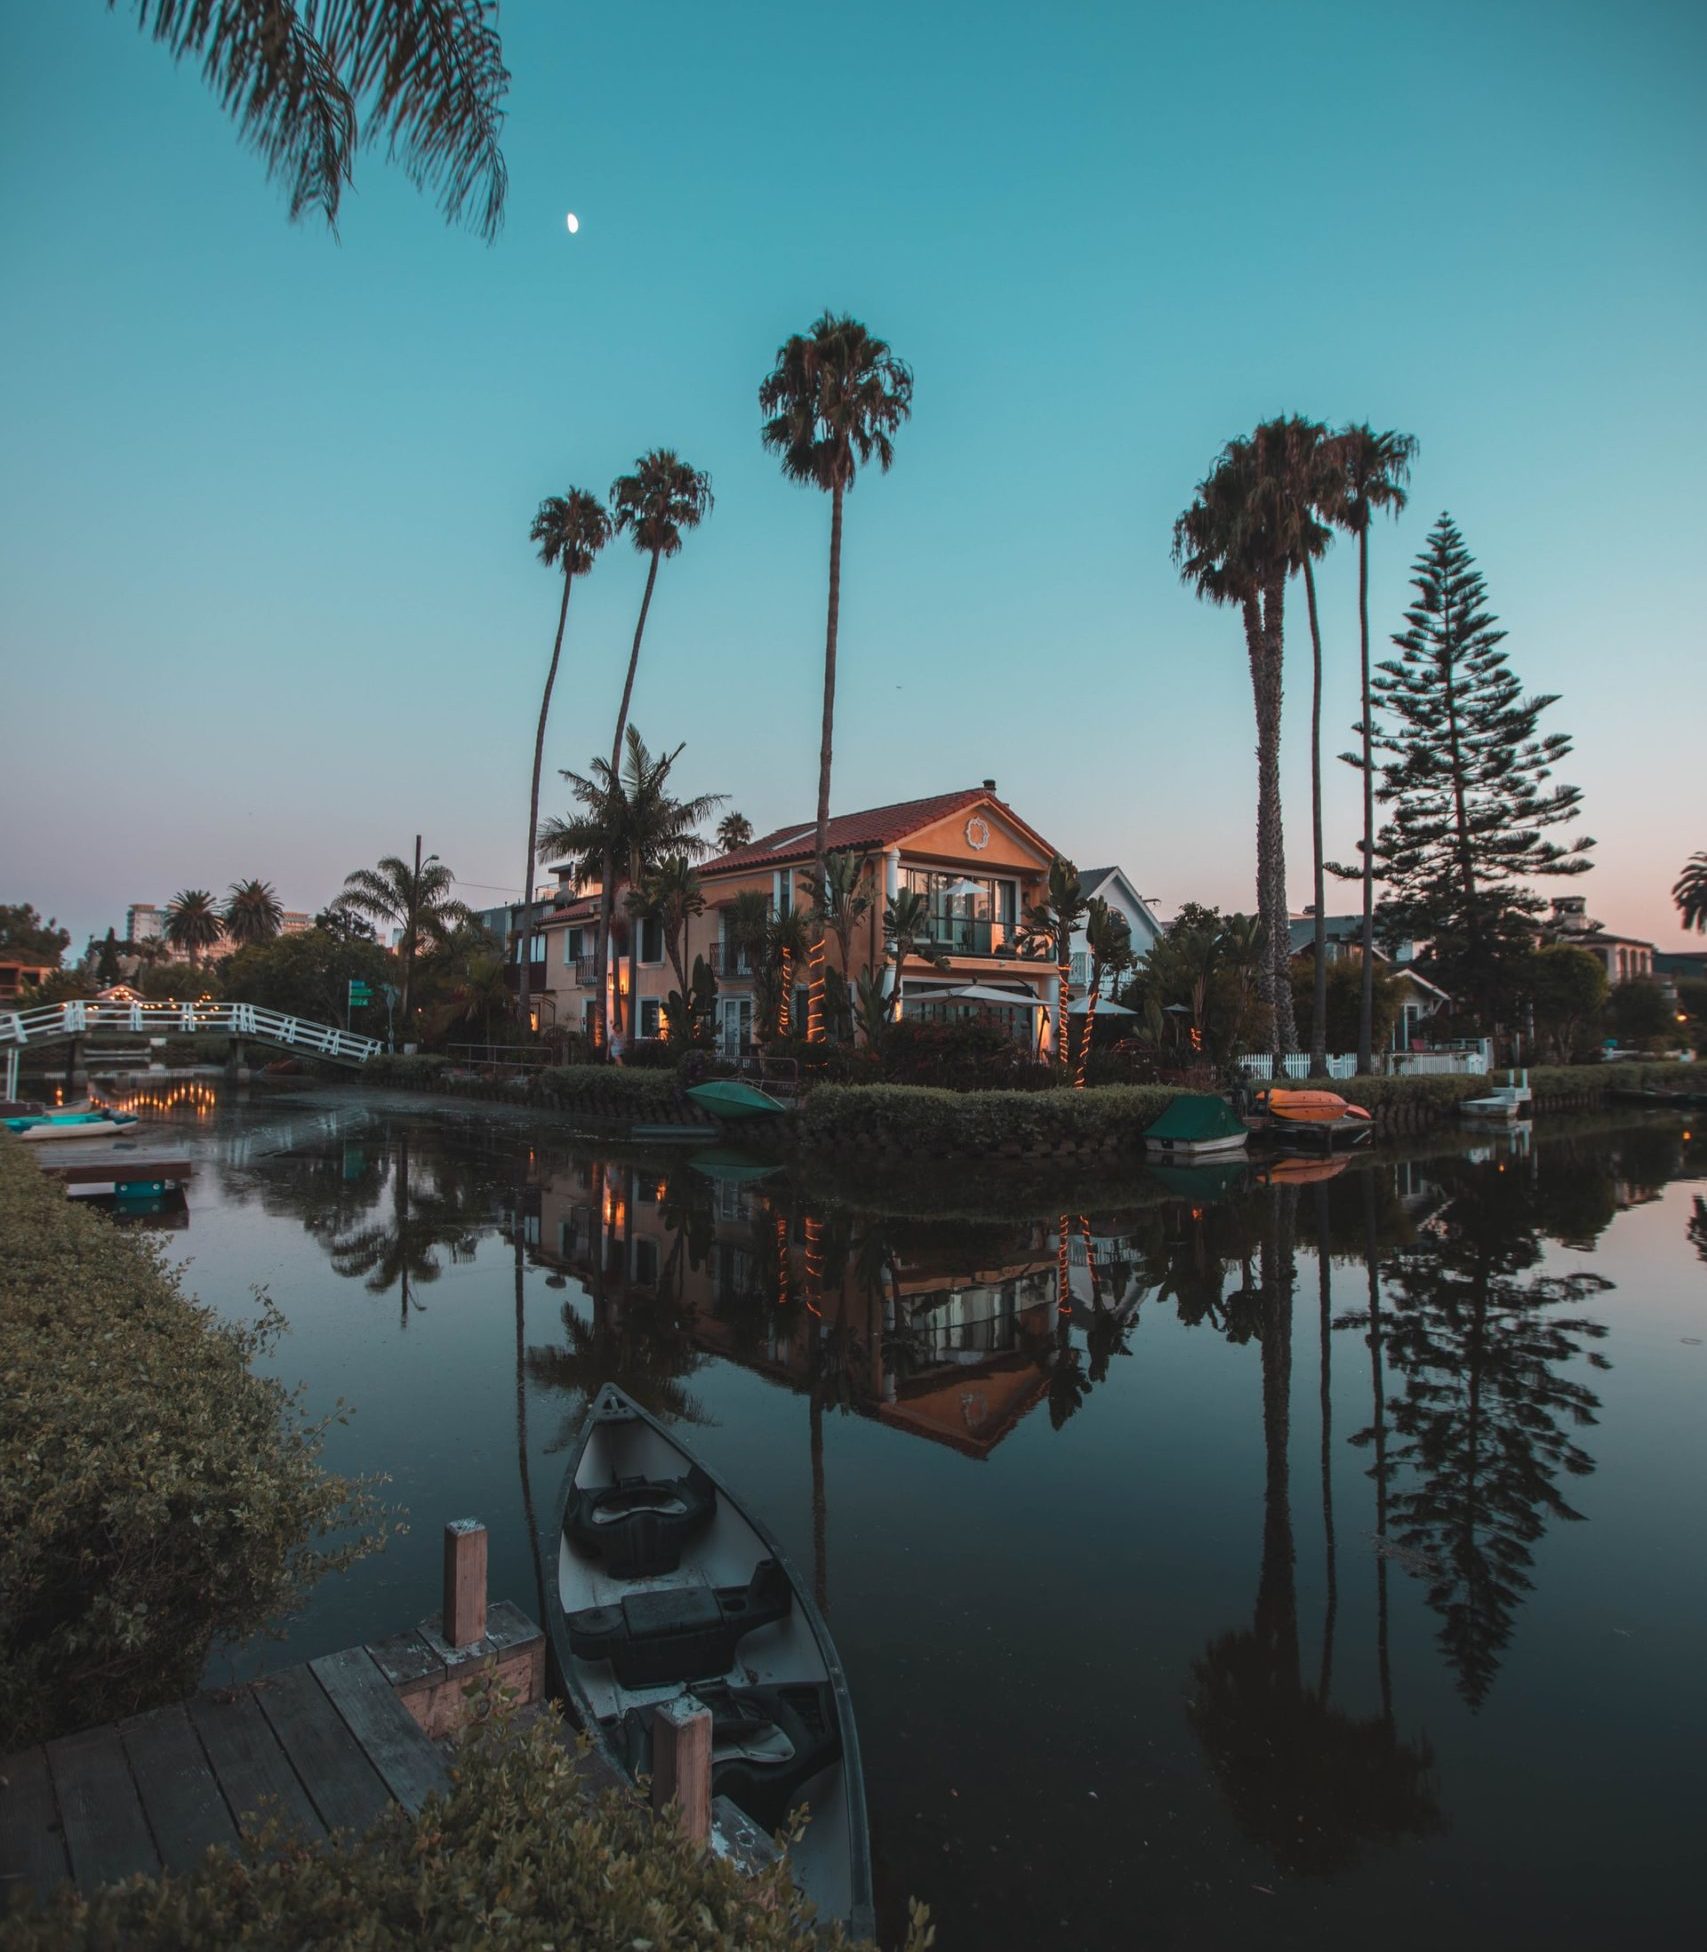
[(1313, 483), (733, 830), (1243, 536), (832, 403), (253, 913), (192, 923), (1689, 891), (652, 506), (1374, 471), (417, 901), (307, 82), (570, 530), (1047, 929), (670, 894)]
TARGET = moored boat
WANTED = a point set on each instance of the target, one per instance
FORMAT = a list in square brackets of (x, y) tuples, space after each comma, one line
[(668, 1587), (1196, 1126), (734, 1098), (72, 1125), (1503, 1105), (1313, 1117)]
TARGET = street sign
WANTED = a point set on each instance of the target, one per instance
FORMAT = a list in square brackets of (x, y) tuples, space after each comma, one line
[(359, 992)]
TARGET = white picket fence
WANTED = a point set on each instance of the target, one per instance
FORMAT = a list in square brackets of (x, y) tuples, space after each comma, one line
[(1408, 1064)]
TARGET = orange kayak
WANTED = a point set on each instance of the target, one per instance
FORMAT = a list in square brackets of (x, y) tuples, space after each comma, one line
[(1312, 1107)]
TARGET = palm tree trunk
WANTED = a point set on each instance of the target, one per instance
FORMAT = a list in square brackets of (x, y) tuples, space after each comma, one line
[(1063, 986), (411, 928), (1271, 840), (821, 840), (607, 892), (1366, 976), (1256, 653), (1319, 1001), (525, 950), (1085, 1034)]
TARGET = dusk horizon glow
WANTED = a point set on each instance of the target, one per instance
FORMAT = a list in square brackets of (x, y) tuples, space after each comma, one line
[(271, 608)]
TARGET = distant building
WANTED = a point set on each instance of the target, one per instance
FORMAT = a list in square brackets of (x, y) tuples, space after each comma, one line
[(1419, 999), (16, 976), (1625, 958), (145, 921)]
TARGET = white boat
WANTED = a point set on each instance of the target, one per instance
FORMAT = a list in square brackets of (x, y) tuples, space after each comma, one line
[(668, 1587), (71, 1125), (1504, 1105)]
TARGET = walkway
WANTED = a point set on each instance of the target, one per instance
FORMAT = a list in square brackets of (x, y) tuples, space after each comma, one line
[(58, 1021)]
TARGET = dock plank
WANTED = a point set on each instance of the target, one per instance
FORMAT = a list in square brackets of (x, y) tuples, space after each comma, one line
[(180, 1797), (344, 1786), (405, 1658), (106, 1833), (253, 1772), (32, 1843), (390, 1736)]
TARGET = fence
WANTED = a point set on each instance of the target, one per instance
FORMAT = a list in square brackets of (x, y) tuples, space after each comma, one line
[(1406, 1064)]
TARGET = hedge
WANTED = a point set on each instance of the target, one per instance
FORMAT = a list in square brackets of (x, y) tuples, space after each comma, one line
[(1014, 1124), (610, 1091), (155, 1493), (516, 1854)]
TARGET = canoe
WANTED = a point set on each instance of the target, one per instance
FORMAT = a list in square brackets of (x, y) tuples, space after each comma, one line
[(731, 1098), (1307, 1107), (668, 1586), (1196, 1126), (72, 1125)]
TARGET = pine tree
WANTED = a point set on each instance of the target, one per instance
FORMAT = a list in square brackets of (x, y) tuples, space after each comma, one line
[(1467, 774)]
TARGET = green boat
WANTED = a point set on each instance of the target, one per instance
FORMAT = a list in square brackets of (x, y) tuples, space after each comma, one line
[(730, 1098), (1196, 1126), (734, 1168)]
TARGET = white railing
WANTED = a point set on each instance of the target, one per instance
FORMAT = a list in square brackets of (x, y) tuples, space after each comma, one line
[(1409, 1064), (60, 1020)]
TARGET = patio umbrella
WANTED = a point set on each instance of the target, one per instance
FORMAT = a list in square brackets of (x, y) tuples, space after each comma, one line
[(982, 993), (1104, 1008)]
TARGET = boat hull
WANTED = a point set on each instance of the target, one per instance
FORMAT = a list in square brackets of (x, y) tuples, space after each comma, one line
[(618, 1439), (83, 1125), (730, 1098), (1197, 1148)]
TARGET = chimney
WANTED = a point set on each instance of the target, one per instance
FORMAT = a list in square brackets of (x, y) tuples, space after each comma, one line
[(989, 786)]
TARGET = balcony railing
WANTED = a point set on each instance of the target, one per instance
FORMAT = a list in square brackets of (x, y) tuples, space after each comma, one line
[(969, 935), (728, 959), (586, 971)]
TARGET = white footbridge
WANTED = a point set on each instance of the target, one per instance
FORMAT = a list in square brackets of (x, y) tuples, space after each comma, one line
[(55, 1022)]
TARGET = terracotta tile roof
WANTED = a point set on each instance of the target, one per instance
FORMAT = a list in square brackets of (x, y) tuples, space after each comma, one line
[(584, 909), (875, 827)]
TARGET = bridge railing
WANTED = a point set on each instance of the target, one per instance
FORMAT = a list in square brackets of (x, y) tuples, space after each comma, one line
[(75, 1019)]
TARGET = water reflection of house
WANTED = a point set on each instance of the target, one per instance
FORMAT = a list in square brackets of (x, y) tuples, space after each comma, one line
[(926, 1337)]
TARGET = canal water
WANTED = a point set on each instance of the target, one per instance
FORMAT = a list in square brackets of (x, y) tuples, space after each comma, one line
[(1314, 1563)]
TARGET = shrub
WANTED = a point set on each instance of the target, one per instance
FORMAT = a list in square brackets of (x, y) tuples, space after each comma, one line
[(154, 1492), (421, 1068), (967, 1056), (515, 1854), (650, 1054), (611, 1090), (921, 1121), (835, 1063)]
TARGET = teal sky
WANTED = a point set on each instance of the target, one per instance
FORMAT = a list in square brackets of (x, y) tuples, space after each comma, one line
[(267, 602)]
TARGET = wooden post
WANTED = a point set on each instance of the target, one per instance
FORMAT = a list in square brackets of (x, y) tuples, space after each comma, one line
[(681, 1763), (465, 1582)]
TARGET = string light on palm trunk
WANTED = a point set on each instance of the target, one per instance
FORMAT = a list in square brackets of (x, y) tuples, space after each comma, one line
[(815, 991)]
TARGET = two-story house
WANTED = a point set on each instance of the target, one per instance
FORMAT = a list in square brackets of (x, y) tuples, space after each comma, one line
[(1114, 887), (977, 864)]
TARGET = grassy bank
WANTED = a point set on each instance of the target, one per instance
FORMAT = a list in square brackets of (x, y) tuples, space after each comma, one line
[(154, 1491)]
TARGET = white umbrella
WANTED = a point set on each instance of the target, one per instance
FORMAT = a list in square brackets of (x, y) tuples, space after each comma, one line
[(1104, 1008), (981, 993)]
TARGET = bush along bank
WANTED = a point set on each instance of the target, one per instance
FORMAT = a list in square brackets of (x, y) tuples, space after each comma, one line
[(917, 1120), (1415, 1104), (155, 1493)]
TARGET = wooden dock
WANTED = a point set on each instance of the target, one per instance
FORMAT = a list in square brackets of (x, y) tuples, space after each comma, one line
[(329, 1745), (118, 1169)]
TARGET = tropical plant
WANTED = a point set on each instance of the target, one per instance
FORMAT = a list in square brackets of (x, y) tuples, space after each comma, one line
[(1246, 532), (631, 818), (734, 830), (193, 924), (307, 81), (652, 506), (1689, 891), (1467, 777), (690, 1013), (570, 530), (842, 899), (788, 937), (832, 404), (907, 932), (1108, 940), (1374, 472), (670, 895), (1047, 929), (416, 901), (253, 913), (462, 982)]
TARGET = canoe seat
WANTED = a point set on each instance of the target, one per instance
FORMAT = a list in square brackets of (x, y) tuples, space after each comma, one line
[(639, 1526), (652, 1639), (766, 1743)]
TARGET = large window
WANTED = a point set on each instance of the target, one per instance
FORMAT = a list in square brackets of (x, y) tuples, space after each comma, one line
[(650, 1018), (970, 915)]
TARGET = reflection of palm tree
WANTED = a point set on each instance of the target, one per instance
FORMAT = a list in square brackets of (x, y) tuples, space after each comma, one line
[(529, 1517), (1325, 1303), (1308, 1782), (403, 1252), (1697, 1227)]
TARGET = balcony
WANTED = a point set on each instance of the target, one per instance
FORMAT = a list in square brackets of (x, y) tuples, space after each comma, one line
[(726, 959), (586, 971), (970, 935)]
